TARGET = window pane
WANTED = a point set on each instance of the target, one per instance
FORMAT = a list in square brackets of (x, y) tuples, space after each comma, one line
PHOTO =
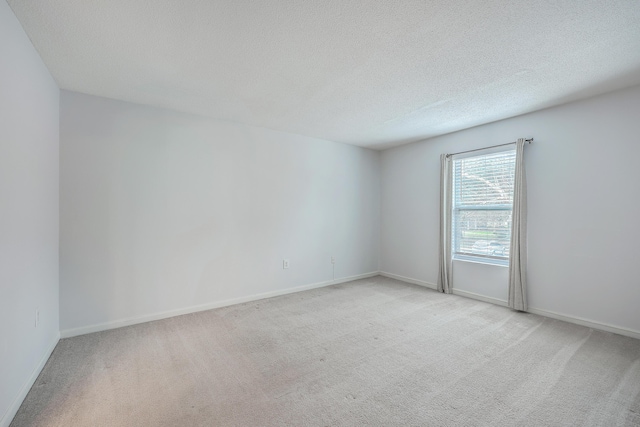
[(483, 232), (485, 180), (482, 203)]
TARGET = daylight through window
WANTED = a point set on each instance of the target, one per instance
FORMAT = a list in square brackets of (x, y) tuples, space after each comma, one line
[(482, 204)]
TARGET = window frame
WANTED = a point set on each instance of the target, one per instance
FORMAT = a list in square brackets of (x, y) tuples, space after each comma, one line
[(469, 257)]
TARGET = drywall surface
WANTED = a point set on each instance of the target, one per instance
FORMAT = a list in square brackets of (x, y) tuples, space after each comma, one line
[(481, 279), (162, 210), (584, 208), (29, 105)]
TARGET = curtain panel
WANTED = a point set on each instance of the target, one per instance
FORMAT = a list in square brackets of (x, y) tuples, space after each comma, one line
[(444, 275), (518, 251)]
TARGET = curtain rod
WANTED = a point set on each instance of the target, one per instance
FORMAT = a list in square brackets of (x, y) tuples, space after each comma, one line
[(528, 140)]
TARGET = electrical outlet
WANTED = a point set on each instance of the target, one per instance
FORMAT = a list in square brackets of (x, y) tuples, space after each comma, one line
[(285, 263), (37, 317), (333, 260)]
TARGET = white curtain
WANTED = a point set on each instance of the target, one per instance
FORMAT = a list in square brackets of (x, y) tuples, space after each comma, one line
[(444, 274), (518, 250)]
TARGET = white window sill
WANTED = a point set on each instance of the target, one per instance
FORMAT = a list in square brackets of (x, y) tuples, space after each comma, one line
[(482, 260)]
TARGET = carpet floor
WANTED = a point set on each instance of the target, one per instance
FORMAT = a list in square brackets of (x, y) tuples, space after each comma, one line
[(373, 352)]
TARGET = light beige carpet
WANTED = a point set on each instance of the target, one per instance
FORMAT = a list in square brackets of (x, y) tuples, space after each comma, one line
[(374, 352)]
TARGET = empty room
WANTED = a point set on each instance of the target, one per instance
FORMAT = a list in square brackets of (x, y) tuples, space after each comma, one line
[(319, 213)]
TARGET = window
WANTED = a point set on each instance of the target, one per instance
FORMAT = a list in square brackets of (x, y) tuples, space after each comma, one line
[(482, 202)]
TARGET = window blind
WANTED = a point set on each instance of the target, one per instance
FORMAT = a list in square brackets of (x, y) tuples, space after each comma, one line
[(482, 203)]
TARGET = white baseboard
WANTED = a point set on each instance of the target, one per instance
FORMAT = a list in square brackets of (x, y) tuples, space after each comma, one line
[(479, 297), (68, 333), (409, 280), (584, 322), (15, 405), (546, 313)]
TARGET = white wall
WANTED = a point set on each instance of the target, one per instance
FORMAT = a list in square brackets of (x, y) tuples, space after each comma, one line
[(162, 211), (28, 213), (584, 209)]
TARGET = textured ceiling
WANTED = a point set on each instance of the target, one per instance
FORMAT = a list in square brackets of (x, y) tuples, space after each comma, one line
[(364, 72)]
